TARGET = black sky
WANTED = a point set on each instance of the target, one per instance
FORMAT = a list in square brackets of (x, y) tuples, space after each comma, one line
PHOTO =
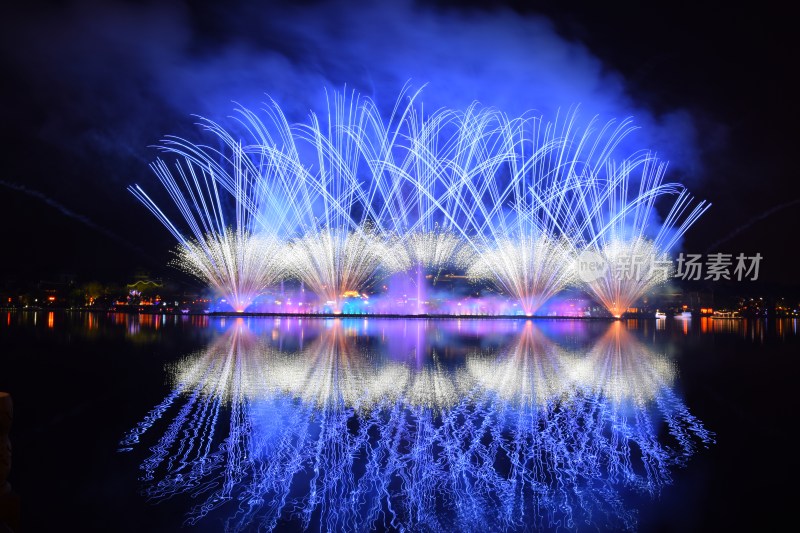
[(89, 87)]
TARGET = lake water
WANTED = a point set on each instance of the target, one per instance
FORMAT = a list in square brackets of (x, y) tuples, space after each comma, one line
[(163, 423)]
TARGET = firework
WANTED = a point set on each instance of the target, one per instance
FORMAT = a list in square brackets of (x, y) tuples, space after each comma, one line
[(619, 226), (335, 263), (236, 264), (221, 251), (359, 194), (431, 251), (632, 268), (518, 201), (531, 269)]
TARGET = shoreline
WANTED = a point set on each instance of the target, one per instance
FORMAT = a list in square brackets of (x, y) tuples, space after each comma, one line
[(233, 314)]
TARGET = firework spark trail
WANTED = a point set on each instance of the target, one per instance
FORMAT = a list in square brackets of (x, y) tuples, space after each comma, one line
[(411, 158), (471, 152), (236, 264), (390, 203), (332, 262), (522, 193), (520, 213), (618, 224), (331, 168), (254, 173), (224, 254)]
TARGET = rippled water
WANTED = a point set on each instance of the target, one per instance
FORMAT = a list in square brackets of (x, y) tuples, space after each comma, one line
[(260, 424)]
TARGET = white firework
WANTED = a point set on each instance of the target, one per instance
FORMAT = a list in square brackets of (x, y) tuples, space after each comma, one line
[(512, 198), (518, 201), (431, 250), (236, 264), (223, 251), (620, 226), (632, 268), (531, 269), (334, 262)]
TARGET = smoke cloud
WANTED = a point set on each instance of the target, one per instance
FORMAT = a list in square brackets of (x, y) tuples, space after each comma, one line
[(110, 78)]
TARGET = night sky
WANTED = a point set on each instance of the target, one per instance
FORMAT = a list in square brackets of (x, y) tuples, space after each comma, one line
[(89, 87)]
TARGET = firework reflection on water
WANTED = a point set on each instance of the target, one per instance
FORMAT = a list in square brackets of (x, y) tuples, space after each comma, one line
[(355, 424)]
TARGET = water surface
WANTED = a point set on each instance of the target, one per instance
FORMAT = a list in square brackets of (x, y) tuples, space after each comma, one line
[(244, 424)]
